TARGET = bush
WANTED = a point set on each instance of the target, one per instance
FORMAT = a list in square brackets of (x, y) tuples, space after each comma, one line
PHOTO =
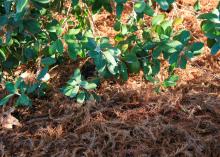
[(30, 35)]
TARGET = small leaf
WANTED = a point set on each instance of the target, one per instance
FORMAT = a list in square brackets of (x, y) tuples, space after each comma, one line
[(70, 91), (197, 6), (47, 61), (139, 7), (10, 87), (23, 100), (124, 71), (177, 21), (20, 5), (171, 81), (197, 47), (90, 86), (42, 73), (5, 99), (183, 62), (3, 20), (75, 2), (148, 10), (158, 19), (165, 4), (110, 58), (2, 56), (81, 97), (215, 48), (42, 1), (117, 26), (124, 30), (77, 75), (119, 10)]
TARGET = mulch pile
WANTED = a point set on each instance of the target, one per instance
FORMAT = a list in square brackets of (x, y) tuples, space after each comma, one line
[(131, 120)]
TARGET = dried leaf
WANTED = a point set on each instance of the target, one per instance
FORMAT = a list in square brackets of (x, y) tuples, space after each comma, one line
[(8, 121)]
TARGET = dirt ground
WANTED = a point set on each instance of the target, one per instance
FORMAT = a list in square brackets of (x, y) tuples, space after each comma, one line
[(131, 120)]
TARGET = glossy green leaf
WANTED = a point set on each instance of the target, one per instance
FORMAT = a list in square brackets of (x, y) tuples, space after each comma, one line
[(47, 61), (158, 19), (10, 87), (2, 56), (171, 81), (90, 86), (81, 97), (139, 6), (23, 100), (42, 73), (20, 5), (4, 100), (148, 10), (42, 1), (197, 6), (70, 91), (3, 20), (124, 71), (77, 75), (215, 48), (164, 4)]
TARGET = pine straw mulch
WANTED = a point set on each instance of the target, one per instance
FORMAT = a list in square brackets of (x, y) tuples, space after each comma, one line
[(130, 120)]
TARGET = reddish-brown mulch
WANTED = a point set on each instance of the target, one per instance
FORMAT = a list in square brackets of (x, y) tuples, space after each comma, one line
[(131, 120)]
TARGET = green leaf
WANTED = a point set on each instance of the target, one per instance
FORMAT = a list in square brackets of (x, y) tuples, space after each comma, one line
[(20, 5), (183, 37), (59, 46), (73, 50), (56, 46), (124, 71), (5, 99), (47, 61), (10, 87), (90, 86), (23, 100), (175, 44), (18, 82), (197, 48), (117, 26), (139, 7), (155, 67), (110, 58), (3, 20), (171, 81), (81, 97), (2, 56), (215, 48), (148, 10), (32, 26), (124, 30), (107, 5), (164, 4), (42, 1), (197, 6), (96, 6), (30, 53), (77, 75), (75, 2), (183, 62), (70, 91), (158, 19), (209, 16), (119, 10), (74, 31), (42, 73)]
